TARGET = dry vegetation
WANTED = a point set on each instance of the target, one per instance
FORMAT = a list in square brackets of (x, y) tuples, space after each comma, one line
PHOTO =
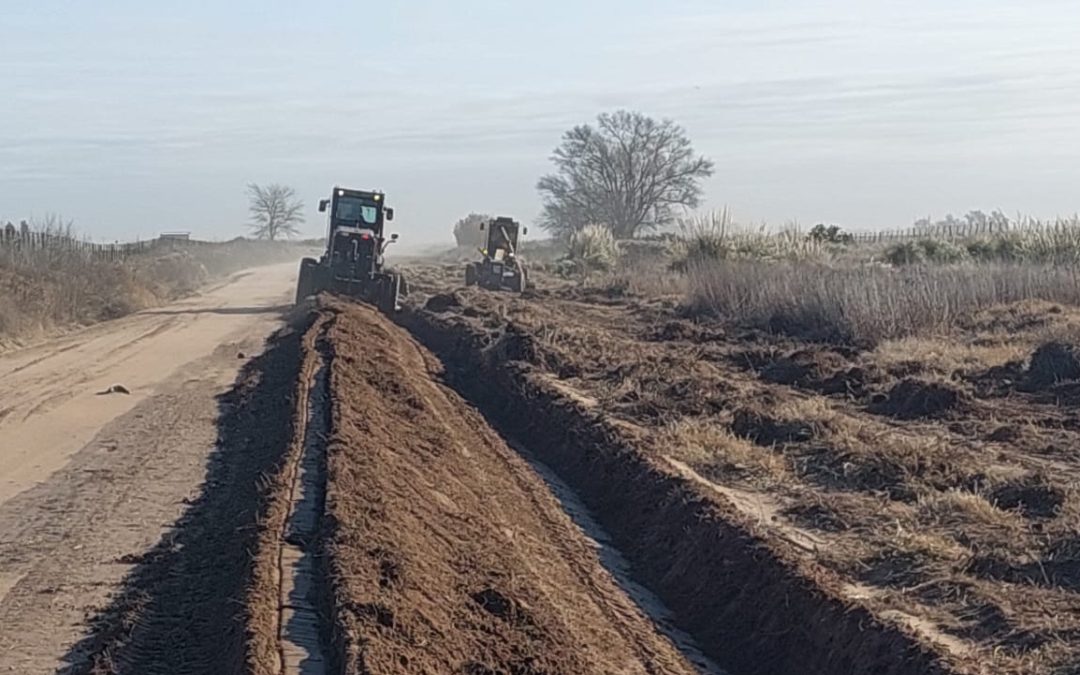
[(46, 288), (806, 286), (869, 303), (910, 428)]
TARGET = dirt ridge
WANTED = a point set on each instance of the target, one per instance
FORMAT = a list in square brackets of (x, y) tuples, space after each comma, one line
[(447, 552), (781, 615)]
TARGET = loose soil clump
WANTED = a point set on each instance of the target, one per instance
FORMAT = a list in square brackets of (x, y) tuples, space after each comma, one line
[(1052, 363), (912, 399), (1034, 496), (442, 302), (803, 368)]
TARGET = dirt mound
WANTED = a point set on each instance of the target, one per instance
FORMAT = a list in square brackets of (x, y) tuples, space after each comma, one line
[(893, 569), (683, 330), (765, 430), (827, 371), (446, 552), (1005, 434), (856, 381), (919, 399), (517, 344), (803, 368), (817, 517), (1033, 496), (442, 302), (676, 330), (651, 391), (998, 380), (1052, 363)]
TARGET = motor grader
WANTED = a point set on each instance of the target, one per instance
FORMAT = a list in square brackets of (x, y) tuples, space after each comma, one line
[(502, 268), (353, 263)]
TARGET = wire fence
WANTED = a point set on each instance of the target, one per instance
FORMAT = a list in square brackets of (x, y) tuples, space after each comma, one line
[(947, 231), (975, 225), (27, 241)]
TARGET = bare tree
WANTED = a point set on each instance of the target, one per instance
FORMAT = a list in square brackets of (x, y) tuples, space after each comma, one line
[(630, 172), (467, 232), (275, 211)]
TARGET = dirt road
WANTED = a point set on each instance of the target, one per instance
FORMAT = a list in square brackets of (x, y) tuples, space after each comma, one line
[(445, 550), (89, 480)]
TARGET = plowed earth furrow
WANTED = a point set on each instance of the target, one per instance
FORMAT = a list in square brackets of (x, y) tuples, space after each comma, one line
[(447, 553), (752, 603)]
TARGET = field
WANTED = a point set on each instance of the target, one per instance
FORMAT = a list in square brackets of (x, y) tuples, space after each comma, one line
[(606, 477)]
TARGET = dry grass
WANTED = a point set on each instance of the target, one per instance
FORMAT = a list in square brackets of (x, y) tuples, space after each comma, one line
[(716, 452), (974, 515), (867, 304), (593, 248), (48, 288), (793, 282), (925, 473), (715, 236), (945, 356)]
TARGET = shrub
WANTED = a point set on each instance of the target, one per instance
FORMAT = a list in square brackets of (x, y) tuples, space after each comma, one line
[(702, 239), (983, 250), (936, 251), (714, 236), (942, 251), (467, 232), (1028, 241), (830, 234), (904, 253), (593, 248)]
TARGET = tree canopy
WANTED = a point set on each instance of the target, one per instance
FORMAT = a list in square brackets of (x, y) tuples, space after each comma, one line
[(467, 232), (629, 172), (275, 211)]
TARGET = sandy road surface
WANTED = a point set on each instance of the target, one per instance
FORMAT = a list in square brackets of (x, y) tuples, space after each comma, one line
[(89, 481)]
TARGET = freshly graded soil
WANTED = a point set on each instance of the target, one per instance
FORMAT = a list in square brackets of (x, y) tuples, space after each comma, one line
[(906, 508), (446, 551)]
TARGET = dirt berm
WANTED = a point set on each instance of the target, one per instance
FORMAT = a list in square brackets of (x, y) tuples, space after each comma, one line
[(446, 553), (753, 606)]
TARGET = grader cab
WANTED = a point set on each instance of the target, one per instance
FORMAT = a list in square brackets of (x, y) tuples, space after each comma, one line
[(353, 263), (502, 268)]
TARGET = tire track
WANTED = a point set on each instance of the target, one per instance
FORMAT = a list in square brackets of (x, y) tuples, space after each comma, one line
[(186, 608), (299, 627)]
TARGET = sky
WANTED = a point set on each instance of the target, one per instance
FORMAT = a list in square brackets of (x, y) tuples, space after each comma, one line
[(136, 117)]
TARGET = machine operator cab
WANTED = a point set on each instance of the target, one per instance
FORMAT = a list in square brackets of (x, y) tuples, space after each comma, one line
[(355, 232), (502, 239)]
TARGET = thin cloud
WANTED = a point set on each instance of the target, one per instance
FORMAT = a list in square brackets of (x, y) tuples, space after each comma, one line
[(885, 102)]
